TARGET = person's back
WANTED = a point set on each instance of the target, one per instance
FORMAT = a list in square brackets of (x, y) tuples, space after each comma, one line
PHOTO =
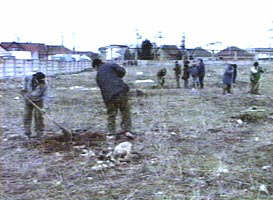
[(201, 68), (227, 79), (115, 95), (109, 79)]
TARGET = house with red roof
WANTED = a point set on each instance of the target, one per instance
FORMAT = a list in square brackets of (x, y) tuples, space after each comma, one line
[(37, 50)]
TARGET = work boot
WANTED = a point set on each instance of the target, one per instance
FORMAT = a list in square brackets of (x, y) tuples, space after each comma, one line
[(28, 134), (130, 135), (39, 133)]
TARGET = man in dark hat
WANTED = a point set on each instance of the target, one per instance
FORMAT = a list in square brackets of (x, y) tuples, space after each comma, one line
[(35, 89), (115, 95)]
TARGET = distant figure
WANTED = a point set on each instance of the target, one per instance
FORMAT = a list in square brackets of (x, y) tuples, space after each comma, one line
[(194, 74), (186, 73), (161, 77), (177, 73), (227, 79), (201, 72), (234, 73), (255, 76), (115, 95), (35, 89)]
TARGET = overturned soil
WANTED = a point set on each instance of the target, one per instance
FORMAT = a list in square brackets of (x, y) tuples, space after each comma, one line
[(191, 144)]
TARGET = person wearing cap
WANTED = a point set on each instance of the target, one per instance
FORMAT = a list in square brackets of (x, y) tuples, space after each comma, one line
[(115, 96), (177, 73), (255, 76), (161, 77), (34, 89), (227, 79)]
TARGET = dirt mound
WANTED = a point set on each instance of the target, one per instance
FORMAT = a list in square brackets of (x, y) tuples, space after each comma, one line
[(61, 143)]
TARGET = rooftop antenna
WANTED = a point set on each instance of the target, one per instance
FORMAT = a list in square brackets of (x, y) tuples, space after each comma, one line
[(183, 42), (160, 37), (138, 36)]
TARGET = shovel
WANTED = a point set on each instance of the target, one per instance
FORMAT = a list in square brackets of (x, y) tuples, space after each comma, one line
[(67, 133)]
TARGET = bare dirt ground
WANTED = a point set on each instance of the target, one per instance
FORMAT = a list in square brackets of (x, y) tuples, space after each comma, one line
[(191, 144)]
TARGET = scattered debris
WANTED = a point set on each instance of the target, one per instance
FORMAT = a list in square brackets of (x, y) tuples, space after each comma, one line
[(263, 188), (122, 150), (144, 81), (240, 122)]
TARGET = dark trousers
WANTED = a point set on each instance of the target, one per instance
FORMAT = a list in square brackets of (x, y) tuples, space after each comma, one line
[(31, 112), (201, 81), (118, 103), (186, 83), (177, 78), (227, 88)]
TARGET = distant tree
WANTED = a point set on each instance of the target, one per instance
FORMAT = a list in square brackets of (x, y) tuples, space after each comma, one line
[(146, 50)]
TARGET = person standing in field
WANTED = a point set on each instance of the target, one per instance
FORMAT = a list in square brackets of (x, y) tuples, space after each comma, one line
[(186, 73), (255, 76), (227, 79), (201, 72), (35, 89), (161, 77), (177, 73), (194, 74), (234, 73), (115, 96)]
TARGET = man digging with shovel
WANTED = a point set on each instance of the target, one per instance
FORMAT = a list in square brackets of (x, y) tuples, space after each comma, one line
[(115, 96), (35, 88)]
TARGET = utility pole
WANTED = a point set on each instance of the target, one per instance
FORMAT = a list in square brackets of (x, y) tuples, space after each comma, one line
[(62, 39), (74, 41), (138, 37), (183, 45)]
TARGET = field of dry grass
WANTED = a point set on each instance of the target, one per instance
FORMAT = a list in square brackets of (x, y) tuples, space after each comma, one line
[(191, 144)]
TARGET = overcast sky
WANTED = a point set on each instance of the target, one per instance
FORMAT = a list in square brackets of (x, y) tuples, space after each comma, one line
[(90, 24)]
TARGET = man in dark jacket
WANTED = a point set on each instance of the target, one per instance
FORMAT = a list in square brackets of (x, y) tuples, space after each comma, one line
[(227, 79), (115, 95), (201, 72), (186, 73), (177, 73)]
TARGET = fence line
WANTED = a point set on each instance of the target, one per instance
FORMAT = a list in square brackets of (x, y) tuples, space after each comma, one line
[(20, 68)]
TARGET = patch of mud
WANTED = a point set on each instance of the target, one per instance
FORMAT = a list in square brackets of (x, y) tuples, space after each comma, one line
[(61, 143)]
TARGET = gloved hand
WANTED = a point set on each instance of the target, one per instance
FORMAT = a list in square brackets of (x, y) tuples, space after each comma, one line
[(42, 111)]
